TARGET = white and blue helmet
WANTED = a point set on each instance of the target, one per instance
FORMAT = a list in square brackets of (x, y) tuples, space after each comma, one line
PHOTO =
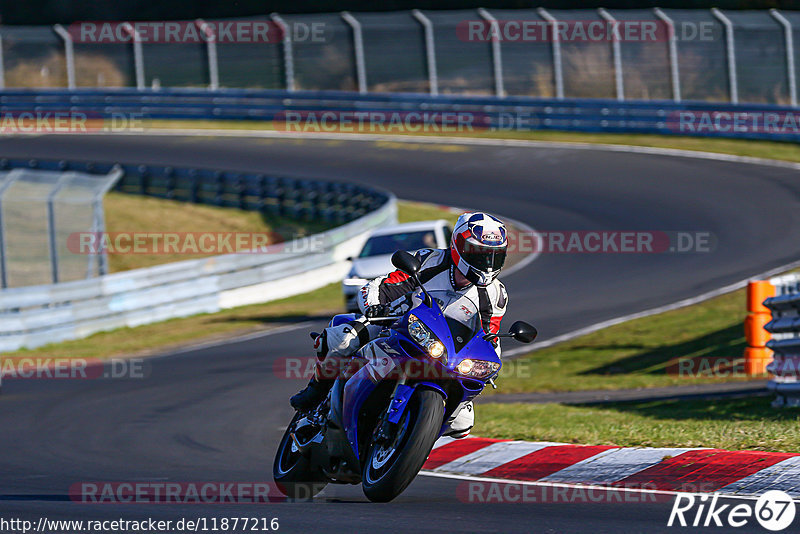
[(478, 247)]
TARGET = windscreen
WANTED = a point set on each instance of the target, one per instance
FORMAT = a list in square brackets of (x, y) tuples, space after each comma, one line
[(461, 314), (389, 244)]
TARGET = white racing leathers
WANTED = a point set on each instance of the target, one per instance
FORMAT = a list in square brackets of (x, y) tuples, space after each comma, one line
[(396, 289)]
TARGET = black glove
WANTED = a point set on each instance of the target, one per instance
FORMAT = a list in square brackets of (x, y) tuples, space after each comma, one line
[(377, 310)]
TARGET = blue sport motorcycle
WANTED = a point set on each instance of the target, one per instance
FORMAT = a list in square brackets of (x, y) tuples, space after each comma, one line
[(379, 423)]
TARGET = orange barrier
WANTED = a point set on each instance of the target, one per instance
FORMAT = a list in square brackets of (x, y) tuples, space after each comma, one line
[(756, 355)]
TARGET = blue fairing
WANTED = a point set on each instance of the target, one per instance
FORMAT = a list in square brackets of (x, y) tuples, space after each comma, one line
[(391, 352)]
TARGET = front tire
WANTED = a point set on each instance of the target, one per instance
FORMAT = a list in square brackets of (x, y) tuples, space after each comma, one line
[(292, 472), (390, 467)]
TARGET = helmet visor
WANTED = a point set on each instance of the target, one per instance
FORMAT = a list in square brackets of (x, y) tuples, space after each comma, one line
[(485, 259)]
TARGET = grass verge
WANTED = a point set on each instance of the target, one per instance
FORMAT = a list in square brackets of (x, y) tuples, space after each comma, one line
[(163, 336), (699, 343), (735, 424)]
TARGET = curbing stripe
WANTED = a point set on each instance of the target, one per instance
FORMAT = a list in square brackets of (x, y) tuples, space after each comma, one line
[(661, 470), (491, 457), (546, 461), (706, 470), (612, 465), (784, 475)]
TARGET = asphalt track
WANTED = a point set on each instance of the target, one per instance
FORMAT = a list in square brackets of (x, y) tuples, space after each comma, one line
[(216, 413)]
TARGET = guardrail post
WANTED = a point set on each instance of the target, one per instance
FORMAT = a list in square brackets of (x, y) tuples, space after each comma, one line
[(430, 50), (211, 53), (10, 179), (2, 66), (288, 56), (558, 75), (789, 46), (674, 70), (756, 355), (69, 54), (138, 59), (358, 49), (731, 53), (497, 56), (616, 51)]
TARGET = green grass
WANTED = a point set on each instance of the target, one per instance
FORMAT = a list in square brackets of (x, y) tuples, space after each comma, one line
[(659, 350), (127, 213), (740, 147), (736, 424), (159, 337)]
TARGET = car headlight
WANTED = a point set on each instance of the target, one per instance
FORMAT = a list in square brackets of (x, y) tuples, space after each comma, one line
[(477, 368), (355, 281), (425, 338)]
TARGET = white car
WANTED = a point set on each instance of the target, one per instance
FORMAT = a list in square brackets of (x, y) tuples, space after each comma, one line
[(375, 258)]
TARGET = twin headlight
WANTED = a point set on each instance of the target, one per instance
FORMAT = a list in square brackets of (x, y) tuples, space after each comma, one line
[(425, 338), (477, 368)]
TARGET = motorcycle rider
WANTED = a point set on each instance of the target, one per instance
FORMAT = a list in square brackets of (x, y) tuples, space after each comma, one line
[(470, 267)]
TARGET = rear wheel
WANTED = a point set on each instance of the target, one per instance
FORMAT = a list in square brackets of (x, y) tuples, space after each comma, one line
[(292, 471), (393, 464)]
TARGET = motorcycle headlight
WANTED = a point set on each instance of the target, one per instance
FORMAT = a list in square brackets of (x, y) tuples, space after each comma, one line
[(426, 339), (477, 368)]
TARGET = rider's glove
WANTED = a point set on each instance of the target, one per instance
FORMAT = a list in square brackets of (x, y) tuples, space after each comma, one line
[(377, 310)]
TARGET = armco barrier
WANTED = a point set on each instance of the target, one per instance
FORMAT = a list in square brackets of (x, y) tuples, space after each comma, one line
[(783, 339), (36, 315), (693, 118)]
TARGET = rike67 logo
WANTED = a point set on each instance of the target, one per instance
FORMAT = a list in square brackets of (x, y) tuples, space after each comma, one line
[(774, 510)]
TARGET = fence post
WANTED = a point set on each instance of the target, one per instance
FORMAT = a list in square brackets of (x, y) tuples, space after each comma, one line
[(288, 57), (211, 53), (789, 45), (731, 52), (430, 50), (51, 223), (138, 60), (497, 56), (10, 179), (98, 216), (673, 54), (558, 75), (358, 48), (616, 51), (69, 54)]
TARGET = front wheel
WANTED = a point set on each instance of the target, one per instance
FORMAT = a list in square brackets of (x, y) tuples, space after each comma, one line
[(293, 473), (392, 465)]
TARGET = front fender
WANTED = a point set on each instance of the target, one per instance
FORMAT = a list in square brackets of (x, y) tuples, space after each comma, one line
[(403, 394)]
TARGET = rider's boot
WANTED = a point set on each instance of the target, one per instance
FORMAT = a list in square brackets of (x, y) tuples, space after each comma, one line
[(312, 395)]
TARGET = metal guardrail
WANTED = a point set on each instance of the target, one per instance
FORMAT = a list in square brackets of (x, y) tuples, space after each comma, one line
[(36, 315), (784, 327), (663, 117)]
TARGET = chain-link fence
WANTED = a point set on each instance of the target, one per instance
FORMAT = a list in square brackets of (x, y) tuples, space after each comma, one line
[(746, 56), (43, 215)]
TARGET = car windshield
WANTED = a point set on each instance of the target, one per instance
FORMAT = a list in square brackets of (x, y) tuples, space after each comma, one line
[(389, 244), (461, 314)]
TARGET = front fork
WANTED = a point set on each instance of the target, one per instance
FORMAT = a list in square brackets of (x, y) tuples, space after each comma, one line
[(398, 404)]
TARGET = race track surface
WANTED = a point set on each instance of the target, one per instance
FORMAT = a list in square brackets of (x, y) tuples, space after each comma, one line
[(216, 414)]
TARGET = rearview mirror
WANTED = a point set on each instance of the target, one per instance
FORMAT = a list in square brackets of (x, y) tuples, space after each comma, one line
[(406, 262), (522, 331)]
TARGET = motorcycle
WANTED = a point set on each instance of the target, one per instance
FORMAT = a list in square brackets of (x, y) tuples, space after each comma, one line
[(379, 423)]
